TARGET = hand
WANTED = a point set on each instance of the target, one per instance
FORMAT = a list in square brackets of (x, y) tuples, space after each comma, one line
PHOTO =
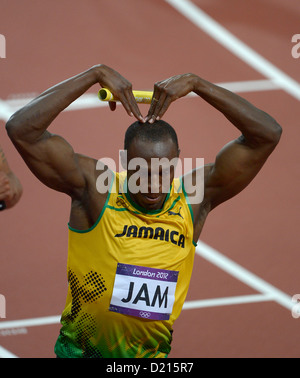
[(121, 89), (167, 91), (5, 187), (10, 189)]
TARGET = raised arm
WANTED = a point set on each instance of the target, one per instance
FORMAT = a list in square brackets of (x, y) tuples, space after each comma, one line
[(10, 187), (241, 159), (49, 156)]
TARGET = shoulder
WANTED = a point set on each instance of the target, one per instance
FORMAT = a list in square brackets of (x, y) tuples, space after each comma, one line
[(195, 183), (196, 187), (88, 201), (96, 174)]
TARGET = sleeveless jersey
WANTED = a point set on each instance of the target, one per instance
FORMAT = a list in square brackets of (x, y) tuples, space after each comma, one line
[(128, 277)]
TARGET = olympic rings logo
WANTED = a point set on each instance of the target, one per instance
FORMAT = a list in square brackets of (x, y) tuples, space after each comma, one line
[(144, 314)]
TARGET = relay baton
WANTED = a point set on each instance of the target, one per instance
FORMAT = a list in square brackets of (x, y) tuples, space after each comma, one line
[(2, 205), (142, 97)]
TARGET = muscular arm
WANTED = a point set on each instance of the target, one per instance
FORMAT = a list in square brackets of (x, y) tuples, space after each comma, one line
[(241, 159), (49, 156), (10, 186)]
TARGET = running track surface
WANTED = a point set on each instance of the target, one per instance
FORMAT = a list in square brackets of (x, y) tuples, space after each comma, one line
[(247, 263)]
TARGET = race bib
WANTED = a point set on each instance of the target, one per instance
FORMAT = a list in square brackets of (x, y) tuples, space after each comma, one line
[(144, 292)]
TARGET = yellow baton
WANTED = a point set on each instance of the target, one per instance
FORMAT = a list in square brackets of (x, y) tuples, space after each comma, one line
[(142, 97)]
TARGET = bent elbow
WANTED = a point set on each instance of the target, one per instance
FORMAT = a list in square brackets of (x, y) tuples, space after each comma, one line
[(10, 128), (13, 129), (276, 133)]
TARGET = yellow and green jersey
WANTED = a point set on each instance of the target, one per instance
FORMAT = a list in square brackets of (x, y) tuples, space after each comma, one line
[(128, 278)]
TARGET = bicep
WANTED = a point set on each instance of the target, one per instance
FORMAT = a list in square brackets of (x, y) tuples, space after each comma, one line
[(235, 167), (53, 161)]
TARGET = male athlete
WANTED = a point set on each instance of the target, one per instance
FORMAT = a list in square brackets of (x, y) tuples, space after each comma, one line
[(131, 251)]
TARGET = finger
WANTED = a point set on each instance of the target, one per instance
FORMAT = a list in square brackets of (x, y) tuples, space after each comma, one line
[(4, 184), (159, 105), (3, 178), (134, 106), (125, 104), (112, 105), (155, 99), (4, 192), (164, 107)]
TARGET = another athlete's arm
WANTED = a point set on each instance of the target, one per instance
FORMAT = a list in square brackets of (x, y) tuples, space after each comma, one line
[(49, 156), (10, 186), (241, 159)]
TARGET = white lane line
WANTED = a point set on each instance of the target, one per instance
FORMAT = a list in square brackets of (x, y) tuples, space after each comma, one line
[(236, 46), (4, 353), (243, 275), (46, 320), (250, 86), (50, 320), (241, 299), (269, 292), (5, 110), (88, 101)]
